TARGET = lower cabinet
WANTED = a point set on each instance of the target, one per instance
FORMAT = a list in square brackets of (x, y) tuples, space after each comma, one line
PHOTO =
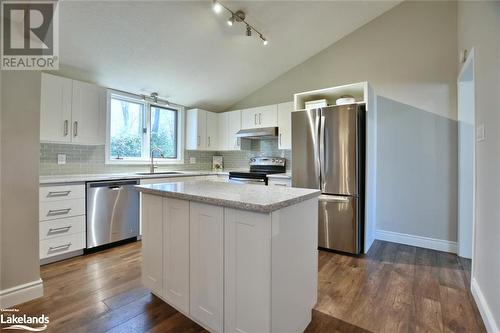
[(247, 271), (176, 253), (152, 243), (232, 270), (207, 264)]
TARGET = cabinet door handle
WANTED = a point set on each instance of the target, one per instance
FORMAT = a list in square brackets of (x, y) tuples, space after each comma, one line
[(75, 129), (58, 194), (280, 139), (60, 247), (255, 119), (55, 230), (278, 184), (199, 139), (209, 141), (260, 118), (66, 129), (58, 211)]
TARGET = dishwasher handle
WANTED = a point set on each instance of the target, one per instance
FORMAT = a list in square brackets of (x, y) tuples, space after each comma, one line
[(113, 185)]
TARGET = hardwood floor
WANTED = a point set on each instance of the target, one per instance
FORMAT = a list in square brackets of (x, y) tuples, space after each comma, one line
[(395, 288)]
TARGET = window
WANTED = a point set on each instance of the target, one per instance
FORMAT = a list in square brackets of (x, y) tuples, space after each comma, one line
[(137, 128)]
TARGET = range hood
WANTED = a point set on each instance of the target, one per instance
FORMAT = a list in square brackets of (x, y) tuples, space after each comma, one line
[(258, 133)]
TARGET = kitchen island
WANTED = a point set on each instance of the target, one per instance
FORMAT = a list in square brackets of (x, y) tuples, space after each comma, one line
[(232, 257)]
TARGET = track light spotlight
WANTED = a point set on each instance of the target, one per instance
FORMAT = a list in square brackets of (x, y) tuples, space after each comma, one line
[(264, 41), (230, 21), (249, 31), (217, 7)]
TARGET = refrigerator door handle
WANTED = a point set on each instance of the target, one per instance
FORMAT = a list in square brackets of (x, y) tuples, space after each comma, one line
[(333, 198), (321, 140)]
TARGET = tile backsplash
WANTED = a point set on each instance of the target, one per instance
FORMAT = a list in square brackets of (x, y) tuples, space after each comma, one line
[(91, 159)]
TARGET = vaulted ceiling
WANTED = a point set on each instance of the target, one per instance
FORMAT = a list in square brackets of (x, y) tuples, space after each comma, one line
[(189, 55)]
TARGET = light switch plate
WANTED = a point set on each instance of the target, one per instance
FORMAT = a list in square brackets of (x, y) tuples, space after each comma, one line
[(480, 133), (61, 159), (192, 160)]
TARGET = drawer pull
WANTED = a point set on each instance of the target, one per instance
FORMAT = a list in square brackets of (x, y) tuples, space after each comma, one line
[(58, 211), (58, 230), (60, 247), (278, 184), (58, 194)]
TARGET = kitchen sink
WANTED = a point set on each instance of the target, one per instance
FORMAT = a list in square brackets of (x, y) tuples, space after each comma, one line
[(159, 173)]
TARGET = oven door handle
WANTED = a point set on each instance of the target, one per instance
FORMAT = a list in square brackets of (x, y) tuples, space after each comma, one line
[(247, 179)]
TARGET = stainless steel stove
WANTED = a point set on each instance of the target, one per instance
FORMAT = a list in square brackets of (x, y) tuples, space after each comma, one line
[(260, 167)]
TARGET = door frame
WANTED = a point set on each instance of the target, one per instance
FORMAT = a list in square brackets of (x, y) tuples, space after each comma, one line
[(469, 64)]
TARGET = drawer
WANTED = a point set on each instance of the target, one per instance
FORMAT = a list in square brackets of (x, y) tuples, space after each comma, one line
[(51, 210), (62, 244), (61, 192), (62, 227), (280, 182)]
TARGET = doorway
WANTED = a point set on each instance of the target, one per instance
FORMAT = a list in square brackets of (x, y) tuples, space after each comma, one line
[(466, 157)]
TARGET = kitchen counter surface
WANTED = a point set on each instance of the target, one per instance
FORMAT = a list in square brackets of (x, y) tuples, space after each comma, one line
[(240, 196), (82, 178)]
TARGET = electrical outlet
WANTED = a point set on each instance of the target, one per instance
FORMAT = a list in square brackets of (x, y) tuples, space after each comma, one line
[(192, 160), (61, 159), (480, 133)]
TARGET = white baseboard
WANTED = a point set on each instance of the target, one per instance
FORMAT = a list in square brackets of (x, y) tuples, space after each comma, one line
[(21, 293), (419, 241), (484, 309)]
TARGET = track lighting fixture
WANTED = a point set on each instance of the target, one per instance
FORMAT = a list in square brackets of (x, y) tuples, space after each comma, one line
[(217, 7), (238, 16), (264, 41)]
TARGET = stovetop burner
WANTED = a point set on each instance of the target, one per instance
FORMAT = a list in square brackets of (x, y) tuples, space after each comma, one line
[(260, 167)]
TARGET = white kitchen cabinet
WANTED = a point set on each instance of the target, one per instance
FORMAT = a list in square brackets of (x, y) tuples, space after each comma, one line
[(176, 253), (88, 114), (206, 265), (223, 135), (196, 129), (202, 130), (55, 108), (282, 182), (71, 111), (152, 245), (261, 116), (285, 125), (212, 131), (247, 268)]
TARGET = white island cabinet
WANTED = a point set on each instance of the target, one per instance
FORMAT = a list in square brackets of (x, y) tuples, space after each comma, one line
[(232, 257)]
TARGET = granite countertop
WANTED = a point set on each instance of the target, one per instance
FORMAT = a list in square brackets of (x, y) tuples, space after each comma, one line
[(262, 199), (82, 178), (286, 175)]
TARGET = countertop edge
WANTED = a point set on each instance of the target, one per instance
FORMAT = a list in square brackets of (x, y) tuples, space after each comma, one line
[(230, 203)]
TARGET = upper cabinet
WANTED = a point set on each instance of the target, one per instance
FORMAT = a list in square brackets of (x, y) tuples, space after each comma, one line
[(196, 129), (262, 116), (285, 125), (202, 130), (55, 108), (207, 130), (88, 116), (71, 111), (212, 131)]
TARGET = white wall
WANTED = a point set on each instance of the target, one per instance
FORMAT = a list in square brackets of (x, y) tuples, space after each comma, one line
[(479, 27), (409, 55)]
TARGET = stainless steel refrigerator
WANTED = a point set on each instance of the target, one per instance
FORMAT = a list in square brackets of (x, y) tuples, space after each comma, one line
[(328, 149)]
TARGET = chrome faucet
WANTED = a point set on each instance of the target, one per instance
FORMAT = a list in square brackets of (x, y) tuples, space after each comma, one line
[(152, 166)]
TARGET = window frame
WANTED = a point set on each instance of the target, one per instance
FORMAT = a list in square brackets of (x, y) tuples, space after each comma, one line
[(145, 159)]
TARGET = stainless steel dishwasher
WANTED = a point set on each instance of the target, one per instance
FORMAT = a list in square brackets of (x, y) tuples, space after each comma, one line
[(112, 212)]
